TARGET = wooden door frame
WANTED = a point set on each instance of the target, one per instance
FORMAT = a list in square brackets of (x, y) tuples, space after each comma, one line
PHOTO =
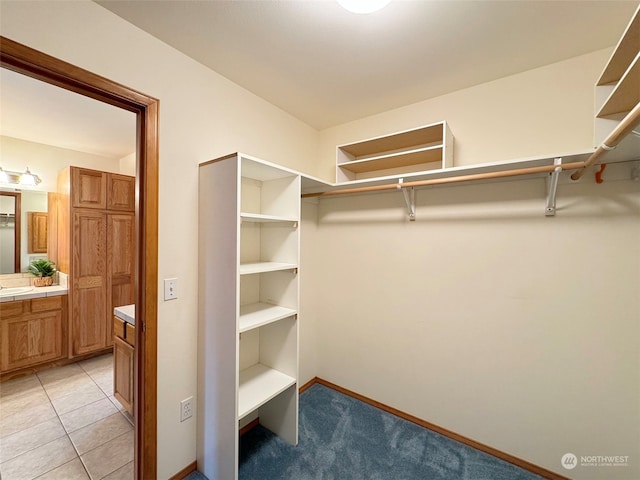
[(27, 61)]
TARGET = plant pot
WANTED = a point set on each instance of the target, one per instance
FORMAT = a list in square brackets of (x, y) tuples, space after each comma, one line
[(42, 281)]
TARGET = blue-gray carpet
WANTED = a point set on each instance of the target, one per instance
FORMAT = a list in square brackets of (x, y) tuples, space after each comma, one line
[(342, 438)]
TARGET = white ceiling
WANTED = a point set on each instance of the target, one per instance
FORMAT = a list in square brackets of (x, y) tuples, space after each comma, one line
[(320, 63), (327, 66)]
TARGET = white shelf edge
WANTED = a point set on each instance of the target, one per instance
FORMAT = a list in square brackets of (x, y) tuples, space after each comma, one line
[(257, 385), (256, 315), (263, 267), (262, 218), (391, 155), (631, 70), (442, 123)]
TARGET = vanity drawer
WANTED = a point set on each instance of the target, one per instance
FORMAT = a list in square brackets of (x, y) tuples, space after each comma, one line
[(46, 303), (124, 331), (11, 309)]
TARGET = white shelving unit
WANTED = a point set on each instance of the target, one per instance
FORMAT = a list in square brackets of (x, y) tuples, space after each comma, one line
[(248, 309), (416, 150), (618, 88)]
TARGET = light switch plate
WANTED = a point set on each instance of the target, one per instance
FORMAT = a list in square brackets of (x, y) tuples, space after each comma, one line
[(170, 288)]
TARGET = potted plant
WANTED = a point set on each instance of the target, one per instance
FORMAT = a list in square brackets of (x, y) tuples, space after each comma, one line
[(44, 270)]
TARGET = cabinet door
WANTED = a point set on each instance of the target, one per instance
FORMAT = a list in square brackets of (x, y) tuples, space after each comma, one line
[(121, 192), (121, 250), (89, 323), (37, 232), (123, 358), (30, 339), (88, 188)]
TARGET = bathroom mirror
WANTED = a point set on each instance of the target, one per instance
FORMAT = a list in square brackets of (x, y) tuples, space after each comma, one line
[(10, 231), (15, 208)]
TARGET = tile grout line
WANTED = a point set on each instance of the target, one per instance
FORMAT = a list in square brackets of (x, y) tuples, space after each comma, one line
[(65, 431)]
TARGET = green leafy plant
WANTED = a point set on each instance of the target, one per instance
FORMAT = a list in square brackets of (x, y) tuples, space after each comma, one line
[(42, 268)]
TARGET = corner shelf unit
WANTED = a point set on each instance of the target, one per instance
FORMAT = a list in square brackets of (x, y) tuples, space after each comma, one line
[(248, 306), (618, 88), (420, 149)]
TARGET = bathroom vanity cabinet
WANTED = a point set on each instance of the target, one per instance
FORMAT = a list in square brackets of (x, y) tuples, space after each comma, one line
[(124, 342), (32, 332)]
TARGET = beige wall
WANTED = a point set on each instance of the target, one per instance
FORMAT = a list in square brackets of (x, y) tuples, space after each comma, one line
[(489, 319), (47, 160), (202, 116)]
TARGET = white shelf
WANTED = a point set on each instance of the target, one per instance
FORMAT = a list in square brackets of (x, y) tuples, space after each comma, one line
[(384, 162), (258, 314), (617, 90), (258, 385), (424, 148), (261, 218), (626, 93), (249, 213), (263, 267)]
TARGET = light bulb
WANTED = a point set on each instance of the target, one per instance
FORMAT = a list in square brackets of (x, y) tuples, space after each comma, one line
[(4, 178), (27, 178), (363, 6)]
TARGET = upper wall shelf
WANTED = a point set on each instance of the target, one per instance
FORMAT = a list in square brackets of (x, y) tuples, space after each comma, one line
[(618, 88), (626, 92), (420, 149), (624, 53)]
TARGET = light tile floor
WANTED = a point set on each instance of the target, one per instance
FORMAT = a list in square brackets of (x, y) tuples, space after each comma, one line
[(63, 423)]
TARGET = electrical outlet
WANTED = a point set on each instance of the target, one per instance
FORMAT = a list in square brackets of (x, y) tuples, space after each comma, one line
[(186, 409), (170, 288)]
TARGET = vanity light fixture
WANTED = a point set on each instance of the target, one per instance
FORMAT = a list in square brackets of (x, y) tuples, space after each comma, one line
[(26, 179), (363, 6)]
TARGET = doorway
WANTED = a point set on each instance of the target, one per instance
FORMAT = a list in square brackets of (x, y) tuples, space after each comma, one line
[(27, 61)]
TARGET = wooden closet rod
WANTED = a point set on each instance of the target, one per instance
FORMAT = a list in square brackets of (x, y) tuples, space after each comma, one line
[(442, 181), (624, 128)]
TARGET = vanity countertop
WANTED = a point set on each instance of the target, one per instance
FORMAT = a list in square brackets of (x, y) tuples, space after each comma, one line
[(35, 292), (126, 313)]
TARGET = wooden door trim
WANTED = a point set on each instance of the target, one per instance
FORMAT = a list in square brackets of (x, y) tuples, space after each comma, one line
[(27, 61)]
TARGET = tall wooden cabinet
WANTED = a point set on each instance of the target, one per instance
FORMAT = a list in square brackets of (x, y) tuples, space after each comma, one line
[(96, 247), (248, 306)]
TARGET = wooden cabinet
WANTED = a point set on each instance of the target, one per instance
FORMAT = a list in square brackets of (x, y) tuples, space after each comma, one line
[(121, 192), (248, 313), (121, 231), (32, 332), (37, 232), (123, 361), (102, 190), (88, 282), (96, 246), (88, 188), (411, 151)]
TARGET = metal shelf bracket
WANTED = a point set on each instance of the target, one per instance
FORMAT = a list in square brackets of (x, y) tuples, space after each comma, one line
[(550, 210), (409, 199)]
